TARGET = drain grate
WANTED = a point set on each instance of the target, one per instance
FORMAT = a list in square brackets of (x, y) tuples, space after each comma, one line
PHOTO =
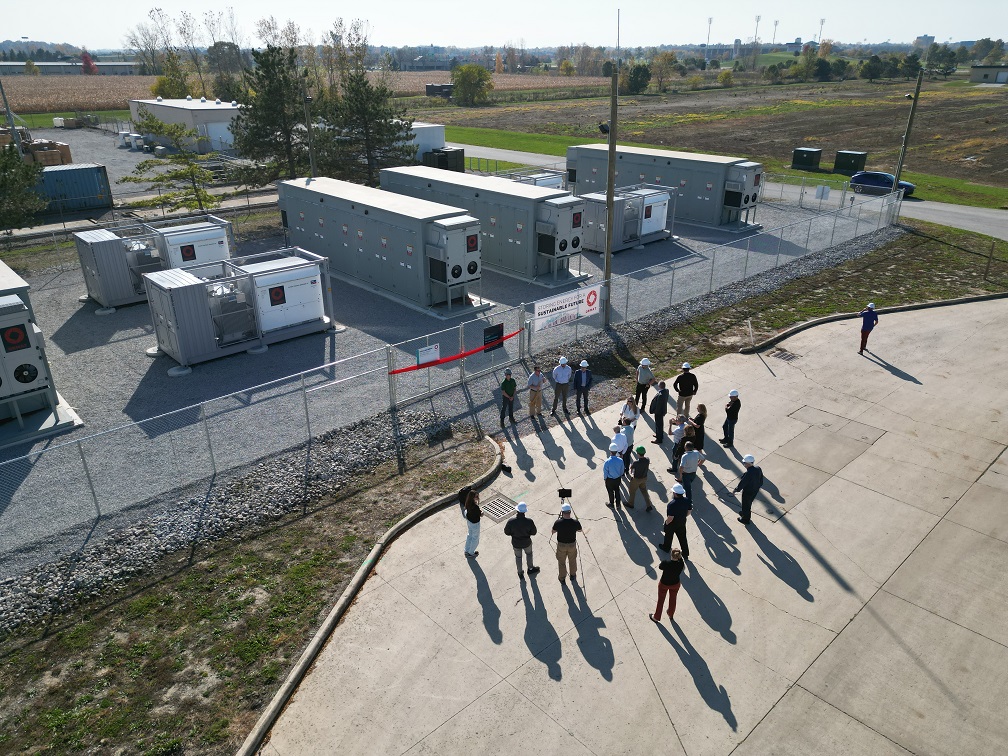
[(784, 354), (498, 507)]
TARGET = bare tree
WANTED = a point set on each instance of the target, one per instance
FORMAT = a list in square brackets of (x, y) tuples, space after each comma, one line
[(144, 41), (234, 33), (162, 25), (192, 39)]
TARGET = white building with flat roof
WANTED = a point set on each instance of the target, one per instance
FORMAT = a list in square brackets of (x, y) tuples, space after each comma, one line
[(210, 118)]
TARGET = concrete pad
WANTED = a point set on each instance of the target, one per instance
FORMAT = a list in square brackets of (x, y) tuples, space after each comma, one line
[(345, 705), (913, 451), (785, 484), (500, 722), (935, 434), (714, 698), (825, 420), (822, 450), (996, 480), (801, 724), (958, 574), (440, 534), (922, 487), (867, 434), (874, 532), (916, 678), (598, 656), (983, 509), (1000, 465), (959, 409)]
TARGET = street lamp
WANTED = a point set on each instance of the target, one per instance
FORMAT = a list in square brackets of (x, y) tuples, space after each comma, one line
[(755, 43), (307, 115), (710, 20), (821, 22)]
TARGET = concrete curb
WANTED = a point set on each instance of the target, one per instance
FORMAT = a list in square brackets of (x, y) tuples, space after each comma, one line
[(850, 316), (267, 719)]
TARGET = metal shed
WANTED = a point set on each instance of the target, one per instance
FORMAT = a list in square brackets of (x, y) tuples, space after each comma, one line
[(202, 312), (528, 231), (639, 217), (420, 253), (114, 260), (712, 190)]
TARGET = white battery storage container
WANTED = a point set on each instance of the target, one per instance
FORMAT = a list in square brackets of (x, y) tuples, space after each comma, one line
[(286, 293)]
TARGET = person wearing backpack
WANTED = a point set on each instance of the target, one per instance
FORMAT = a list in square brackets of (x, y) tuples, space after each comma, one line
[(749, 484)]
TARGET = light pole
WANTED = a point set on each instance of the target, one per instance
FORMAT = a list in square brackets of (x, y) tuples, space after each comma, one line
[(307, 116), (774, 40), (906, 135), (710, 20), (755, 44), (610, 199), (821, 22)]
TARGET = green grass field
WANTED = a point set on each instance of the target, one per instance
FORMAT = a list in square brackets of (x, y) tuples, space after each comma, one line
[(45, 120)]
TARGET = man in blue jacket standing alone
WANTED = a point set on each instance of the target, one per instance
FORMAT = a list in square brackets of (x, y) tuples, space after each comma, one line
[(582, 382), (869, 319)]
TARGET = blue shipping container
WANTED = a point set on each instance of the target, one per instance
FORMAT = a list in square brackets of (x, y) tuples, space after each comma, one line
[(75, 187)]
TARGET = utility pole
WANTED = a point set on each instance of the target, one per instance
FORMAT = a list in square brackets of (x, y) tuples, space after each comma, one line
[(710, 20), (906, 134), (774, 40), (821, 22), (755, 44), (610, 197), (10, 120)]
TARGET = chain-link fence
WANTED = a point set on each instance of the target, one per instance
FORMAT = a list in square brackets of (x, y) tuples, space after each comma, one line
[(70, 492)]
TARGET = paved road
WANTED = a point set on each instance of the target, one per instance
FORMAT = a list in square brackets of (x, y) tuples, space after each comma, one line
[(862, 612)]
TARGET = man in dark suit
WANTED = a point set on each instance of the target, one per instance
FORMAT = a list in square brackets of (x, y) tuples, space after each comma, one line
[(582, 382), (659, 408)]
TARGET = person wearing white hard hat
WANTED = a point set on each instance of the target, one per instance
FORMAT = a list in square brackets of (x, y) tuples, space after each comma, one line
[(686, 386), (582, 382), (535, 383), (645, 379), (675, 520), (521, 529), (869, 319), (612, 472), (731, 418), (566, 529), (561, 383), (749, 484)]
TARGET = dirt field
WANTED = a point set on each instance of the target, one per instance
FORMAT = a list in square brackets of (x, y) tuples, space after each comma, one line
[(959, 132)]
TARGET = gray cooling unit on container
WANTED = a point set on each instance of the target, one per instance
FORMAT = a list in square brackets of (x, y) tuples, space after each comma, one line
[(639, 217), (26, 383), (202, 312), (421, 253), (712, 189), (114, 260), (528, 231)]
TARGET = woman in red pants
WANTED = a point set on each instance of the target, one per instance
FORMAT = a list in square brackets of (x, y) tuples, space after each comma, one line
[(669, 584)]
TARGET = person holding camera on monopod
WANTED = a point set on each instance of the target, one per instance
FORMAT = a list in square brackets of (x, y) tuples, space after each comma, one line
[(566, 529)]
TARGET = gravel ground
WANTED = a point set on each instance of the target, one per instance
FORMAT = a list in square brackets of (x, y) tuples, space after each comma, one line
[(102, 147), (73, 554)]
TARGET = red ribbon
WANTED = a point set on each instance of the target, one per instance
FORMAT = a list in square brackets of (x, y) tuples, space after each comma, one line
[(454, 357)]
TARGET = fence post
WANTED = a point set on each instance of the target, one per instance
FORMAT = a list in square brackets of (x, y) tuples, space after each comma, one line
[(710, 286), (780, 240), (626, 306), (671, 290), (206, 432), (878, 225), (808, 237), (745, 270), (801, 193), (390, 360), (522, 336), (835, 216), (857, 223), (462, 349), (307, 417), (87, 475)]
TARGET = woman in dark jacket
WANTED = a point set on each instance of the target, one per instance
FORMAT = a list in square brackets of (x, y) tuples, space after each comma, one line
[(472, 514), (697, 423), (668, 584)]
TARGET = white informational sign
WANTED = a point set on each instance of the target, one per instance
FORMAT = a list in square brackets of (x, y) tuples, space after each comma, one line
[(566, 308), (427, 354)]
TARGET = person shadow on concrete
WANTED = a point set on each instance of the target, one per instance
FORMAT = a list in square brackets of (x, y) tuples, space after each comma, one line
[(890, 368), (491, 613), (551, 449), (709, 605), (522, 458), (781, 563), (714, 695), (638, 549), (594, 647), (717, 535), (540, 635), (581, 446)]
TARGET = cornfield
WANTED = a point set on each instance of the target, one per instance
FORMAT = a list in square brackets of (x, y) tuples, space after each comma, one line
[(56, 94)]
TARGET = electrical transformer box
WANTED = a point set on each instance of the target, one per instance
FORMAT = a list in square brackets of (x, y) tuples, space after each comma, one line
[(528, 230), (708, 190), (25, 380), (204, 311), (639, 217), (114, 260), (420, 252)]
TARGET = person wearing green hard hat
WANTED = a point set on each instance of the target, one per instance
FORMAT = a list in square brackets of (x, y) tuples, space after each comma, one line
[(638, 479)]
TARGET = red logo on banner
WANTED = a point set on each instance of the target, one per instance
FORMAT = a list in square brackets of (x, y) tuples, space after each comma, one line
[(15, 338), (277, 296), (591, 298)]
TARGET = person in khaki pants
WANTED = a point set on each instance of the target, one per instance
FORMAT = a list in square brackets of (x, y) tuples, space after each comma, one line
[(536, 381), (566, 529), (638, 479)]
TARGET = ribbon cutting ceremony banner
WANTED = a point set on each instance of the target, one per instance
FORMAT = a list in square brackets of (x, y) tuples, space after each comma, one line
[(566, 308), (454, 357)]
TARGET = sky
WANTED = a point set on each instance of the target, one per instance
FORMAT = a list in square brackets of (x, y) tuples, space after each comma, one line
[(539, 24)]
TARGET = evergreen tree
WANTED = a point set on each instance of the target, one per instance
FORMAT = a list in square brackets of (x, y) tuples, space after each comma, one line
[(19, 197), (182, 177), (269, 127)]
